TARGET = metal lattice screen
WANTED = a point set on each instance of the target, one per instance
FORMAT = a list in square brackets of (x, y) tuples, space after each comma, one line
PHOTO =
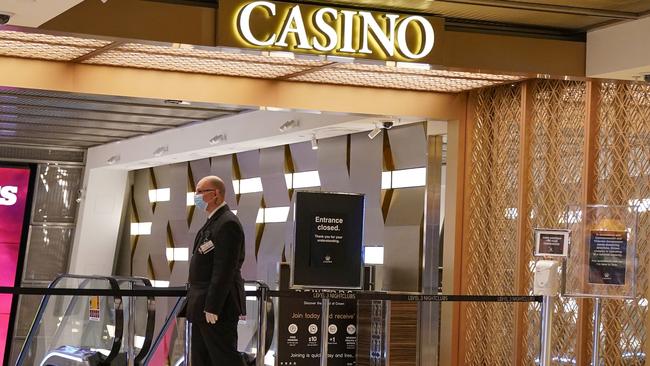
[(555, 181), (623, 178), (492, 225)]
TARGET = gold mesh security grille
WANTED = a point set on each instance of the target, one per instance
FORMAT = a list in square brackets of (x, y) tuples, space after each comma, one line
[(555, 182), (623, 175), (236, 62), (492, 225)]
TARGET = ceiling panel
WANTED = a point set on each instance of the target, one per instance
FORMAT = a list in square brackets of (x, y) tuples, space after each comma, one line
[(50, 118), (80, 122)]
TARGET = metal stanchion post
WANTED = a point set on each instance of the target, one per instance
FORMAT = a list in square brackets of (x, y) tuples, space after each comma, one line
[(187, 344), (324, 324), (595, 357), (130, 337), (547, 327), (261, 326)]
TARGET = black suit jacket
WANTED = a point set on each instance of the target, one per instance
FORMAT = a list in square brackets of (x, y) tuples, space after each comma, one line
[(215, 281)]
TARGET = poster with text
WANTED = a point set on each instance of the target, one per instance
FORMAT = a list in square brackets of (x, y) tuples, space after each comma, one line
[(14, 194), (328, 242), (607, 257), (299, 333)]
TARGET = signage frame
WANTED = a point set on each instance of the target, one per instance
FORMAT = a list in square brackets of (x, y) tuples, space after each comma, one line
[(306, 284), (581, 265), (565, 233)]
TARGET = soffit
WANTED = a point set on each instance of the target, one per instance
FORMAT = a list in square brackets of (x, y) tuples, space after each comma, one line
[(59, 119), (562, 14), (242, 63)]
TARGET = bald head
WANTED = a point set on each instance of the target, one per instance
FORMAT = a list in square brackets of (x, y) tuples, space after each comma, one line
[(213, 191), (214, 182)]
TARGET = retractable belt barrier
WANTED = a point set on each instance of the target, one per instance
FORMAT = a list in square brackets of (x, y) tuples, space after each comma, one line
[(296, 294)]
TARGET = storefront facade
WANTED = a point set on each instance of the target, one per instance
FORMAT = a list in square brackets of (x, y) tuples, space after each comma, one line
[(527, 135)]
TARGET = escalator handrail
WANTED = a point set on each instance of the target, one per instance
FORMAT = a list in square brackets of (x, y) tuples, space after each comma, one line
[(180, 304), (41, 309), (119, 323), (151, 318)]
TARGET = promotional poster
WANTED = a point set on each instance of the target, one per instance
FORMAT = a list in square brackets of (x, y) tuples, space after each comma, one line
[(14, 193), (299, 336)]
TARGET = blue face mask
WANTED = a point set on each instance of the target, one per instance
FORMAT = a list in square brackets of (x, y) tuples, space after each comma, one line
[(199, 202)]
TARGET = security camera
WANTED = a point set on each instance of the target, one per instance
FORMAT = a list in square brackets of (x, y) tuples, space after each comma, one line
[(387, 125), (4, 18)]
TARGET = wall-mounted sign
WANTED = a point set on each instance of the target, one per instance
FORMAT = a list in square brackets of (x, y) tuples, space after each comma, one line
[(327, 249), (551, 242), (279, 26), (15, 193)]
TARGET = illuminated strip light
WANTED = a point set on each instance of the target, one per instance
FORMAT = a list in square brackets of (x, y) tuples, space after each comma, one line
[(190, 199), (405, 178), (177, 254), (250, 185), (386, 180), (373, 255), (250, 288), (159, 195), (302, 179), (642, 205), (157, 283), (272, 214), (140, 228)]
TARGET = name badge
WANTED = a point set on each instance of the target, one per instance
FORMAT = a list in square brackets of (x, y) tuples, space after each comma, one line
[(206, 247)]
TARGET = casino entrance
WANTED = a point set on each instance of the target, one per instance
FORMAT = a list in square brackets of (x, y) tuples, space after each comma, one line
[(462, 137)]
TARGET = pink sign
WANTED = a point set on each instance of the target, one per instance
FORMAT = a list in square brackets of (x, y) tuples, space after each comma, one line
[(14, 191)]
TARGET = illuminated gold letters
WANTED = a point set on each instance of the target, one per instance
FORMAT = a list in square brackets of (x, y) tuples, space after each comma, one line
[(338, 31)]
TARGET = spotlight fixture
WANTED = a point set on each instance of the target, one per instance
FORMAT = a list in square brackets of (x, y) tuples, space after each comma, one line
[(375, 131), (293, 123), (161, 150), (314, 142), (217, 139), (113, 159), (177, 102)]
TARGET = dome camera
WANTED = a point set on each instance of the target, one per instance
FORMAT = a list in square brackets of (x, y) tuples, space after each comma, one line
[(4, 18), (387, 124)]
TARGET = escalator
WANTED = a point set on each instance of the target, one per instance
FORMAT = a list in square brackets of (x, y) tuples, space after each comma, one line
[(71, 330), (89, 330), (169, 346)]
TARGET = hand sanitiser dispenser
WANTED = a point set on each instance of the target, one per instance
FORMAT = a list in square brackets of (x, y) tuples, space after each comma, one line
[(547, 278)]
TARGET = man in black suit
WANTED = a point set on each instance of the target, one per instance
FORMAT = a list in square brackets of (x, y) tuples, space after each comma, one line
[(216, 295)]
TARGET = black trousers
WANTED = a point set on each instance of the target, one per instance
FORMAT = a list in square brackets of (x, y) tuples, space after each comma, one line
[(215, 344)]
